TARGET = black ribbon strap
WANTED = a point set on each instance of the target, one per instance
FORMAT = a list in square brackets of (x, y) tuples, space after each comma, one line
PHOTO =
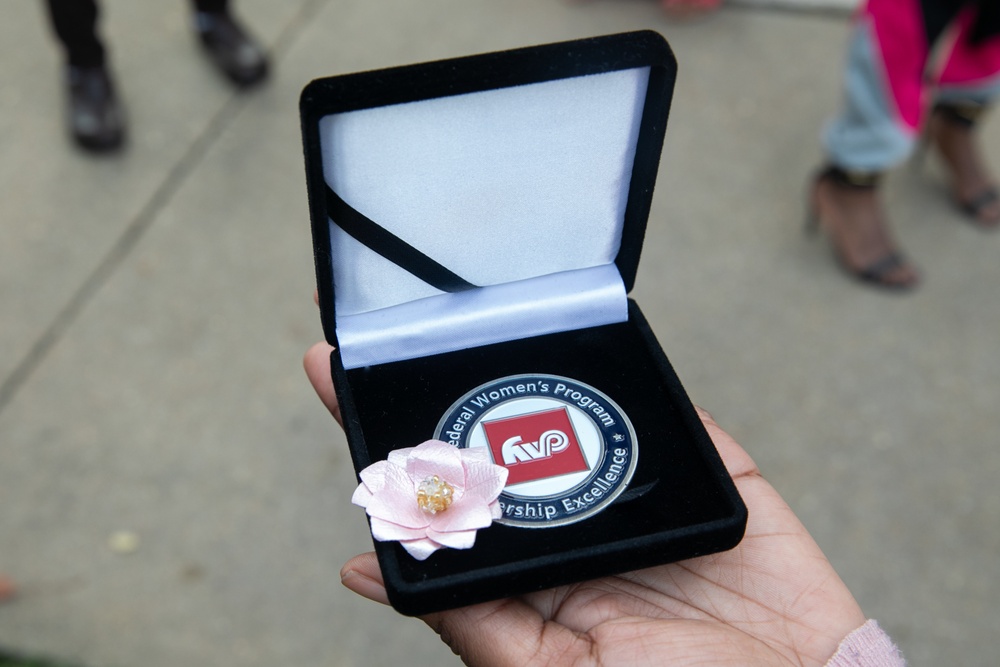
[(390, 246)]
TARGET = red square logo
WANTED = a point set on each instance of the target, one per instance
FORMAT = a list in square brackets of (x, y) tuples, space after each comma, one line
[(535, 446)]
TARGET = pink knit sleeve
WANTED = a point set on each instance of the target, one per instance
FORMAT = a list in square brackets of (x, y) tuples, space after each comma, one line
[(867, 646)]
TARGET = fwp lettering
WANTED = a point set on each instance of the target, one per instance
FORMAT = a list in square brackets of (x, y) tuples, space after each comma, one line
[(515, 450)]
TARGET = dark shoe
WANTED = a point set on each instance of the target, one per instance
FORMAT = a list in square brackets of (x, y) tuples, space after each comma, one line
[(952, 130), (233, 51), (96, 119), (846, 206)]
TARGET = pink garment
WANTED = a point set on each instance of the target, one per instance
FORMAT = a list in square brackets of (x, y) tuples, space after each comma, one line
[(902, 44), (868, 646)]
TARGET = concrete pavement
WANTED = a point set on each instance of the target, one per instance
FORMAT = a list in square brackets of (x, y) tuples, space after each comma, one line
[(154, 307)]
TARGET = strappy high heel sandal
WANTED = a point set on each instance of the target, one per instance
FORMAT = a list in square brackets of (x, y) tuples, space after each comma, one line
[(889, 270), (963, 117)]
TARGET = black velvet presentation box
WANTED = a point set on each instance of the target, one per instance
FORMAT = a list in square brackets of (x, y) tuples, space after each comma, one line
[(471, 218)]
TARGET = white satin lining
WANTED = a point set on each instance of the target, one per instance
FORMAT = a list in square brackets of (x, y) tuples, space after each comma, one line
[(499, 186), (494, 314)]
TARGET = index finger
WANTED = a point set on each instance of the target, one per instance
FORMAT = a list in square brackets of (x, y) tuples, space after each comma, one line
[(317, 365)]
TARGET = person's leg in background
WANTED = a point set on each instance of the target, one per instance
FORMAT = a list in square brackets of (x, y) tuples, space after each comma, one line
[(884, 107), (95, 118), (231, 48), (968, 84)]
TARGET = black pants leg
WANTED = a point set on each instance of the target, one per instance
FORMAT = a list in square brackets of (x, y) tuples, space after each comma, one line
[(938, 15), (211, 6), (75, 24)]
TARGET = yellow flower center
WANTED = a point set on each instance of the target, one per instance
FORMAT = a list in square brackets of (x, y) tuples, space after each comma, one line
[(435, 495)]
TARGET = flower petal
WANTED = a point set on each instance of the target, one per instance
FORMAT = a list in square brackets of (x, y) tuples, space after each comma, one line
[(362, 496), (436, 458), (496, 510), (421, 549), (484, 480), (459, 539), (476, 454), (387, 531), (397, 457), (374, 476), (467, 514), (397, 501)]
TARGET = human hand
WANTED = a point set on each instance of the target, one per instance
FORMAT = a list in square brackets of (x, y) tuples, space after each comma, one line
[(773, 600)]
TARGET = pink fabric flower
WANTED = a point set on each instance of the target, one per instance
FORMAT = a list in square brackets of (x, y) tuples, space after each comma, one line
[(431, 496)]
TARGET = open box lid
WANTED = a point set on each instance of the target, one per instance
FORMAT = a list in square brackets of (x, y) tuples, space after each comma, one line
[(483, 199)]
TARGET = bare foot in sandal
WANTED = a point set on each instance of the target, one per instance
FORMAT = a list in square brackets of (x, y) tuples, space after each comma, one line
[(973, 188), (852, 217)]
